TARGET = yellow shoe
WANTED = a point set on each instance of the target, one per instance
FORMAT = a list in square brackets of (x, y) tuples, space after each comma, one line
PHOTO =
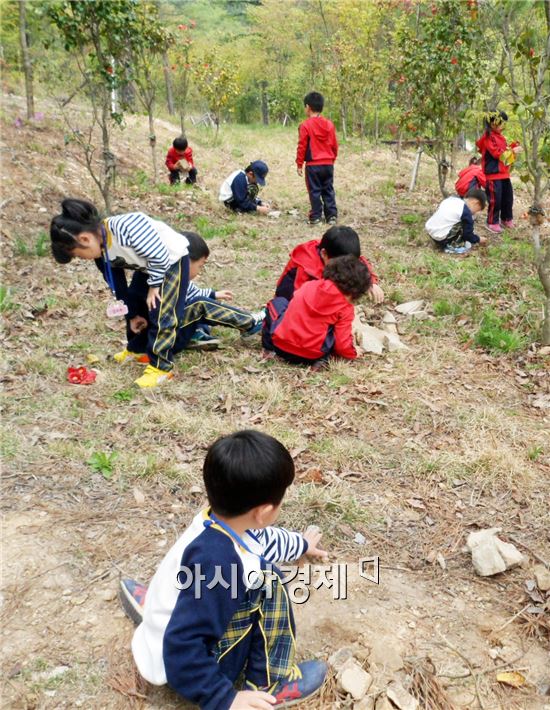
[(126, 355), (152, 377)]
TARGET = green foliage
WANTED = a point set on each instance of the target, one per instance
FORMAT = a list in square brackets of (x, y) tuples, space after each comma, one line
[(124, 395), (6, 300), (42, 244), (103, 463), (216, 82), (494, 335)]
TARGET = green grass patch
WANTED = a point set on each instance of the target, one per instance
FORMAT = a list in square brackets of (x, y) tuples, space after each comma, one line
[(207, 230), (6, 300), (496, 336)]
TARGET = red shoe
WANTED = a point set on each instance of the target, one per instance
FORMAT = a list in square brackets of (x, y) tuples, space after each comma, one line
[(508, 223), (80, 376)]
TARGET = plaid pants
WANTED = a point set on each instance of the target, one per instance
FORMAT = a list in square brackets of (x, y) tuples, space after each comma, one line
[(454, 238), (166, 317), (266, 617), (212, 312)]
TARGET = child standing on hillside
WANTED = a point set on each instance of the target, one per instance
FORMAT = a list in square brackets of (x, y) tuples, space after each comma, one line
[(179, 161), (451, 227), (240, 190), (496, 158), (217, 611), (317, 323), (307, 261), (137, 242), (470, 178), (318, 149)]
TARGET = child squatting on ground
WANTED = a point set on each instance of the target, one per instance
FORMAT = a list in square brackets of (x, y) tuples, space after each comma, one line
[(179, 161), (240, 190), (308, 260), (132, 241), (318, 149), (497, 156), (217, 614), (451, 227), (317, 322)]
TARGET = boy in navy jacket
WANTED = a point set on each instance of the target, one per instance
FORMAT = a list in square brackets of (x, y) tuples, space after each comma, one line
[(216, 607), (318, 149), (240, 190)]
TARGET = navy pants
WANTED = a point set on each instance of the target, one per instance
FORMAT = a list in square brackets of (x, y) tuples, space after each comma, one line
[(190, 179), (319, 183), (501, 200)]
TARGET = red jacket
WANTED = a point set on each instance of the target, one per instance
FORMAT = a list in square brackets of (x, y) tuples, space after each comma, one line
[(491, 146), (465, 178), (317, 322), (305, 264), (174, 155), (317, 143)]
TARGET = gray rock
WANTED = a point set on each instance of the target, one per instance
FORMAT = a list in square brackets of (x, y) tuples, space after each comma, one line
[(366, 703), (491, 555), (354, 680), (382, 703), (410, 307), (401, 697), (542, 575), (339, 658)]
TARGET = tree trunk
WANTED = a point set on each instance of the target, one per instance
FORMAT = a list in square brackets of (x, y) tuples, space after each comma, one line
[(168, 82), (26, 58), (376, 125), (398, 147), (343, 120), (153, 142), (109, 159), (265, 106), (414, 175), (544, 275)]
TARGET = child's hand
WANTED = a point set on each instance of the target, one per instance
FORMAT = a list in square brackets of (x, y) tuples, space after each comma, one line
[(482, 241), (262, 209), (223, 295), (375, 293), (137, 324), (252, 700), (517, 149), (313, 536), (153, 297), (299, 171)]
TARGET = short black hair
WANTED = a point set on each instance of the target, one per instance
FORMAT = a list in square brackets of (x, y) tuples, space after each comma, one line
[(76, 216), (198, 248), (474, 160), (246, 469), (180, 143), (350, 274), (340, 241), (315, 101), (479, 195)]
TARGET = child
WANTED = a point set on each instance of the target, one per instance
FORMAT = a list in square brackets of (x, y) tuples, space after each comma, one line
[(452, 225), (307, 261), (318, 321), (216, 608), (496, 158), (470, 178), (240, 190), (179, 160), (132, 241), (318, 148), (203, 308)]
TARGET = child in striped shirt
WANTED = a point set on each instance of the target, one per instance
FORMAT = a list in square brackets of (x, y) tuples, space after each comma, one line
[(140, 243)]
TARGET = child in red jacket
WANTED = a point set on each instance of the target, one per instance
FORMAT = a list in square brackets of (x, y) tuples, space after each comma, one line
[(318, 148), (308, 260), (470, 178), (179, 160), (318, 321), (496, 158)]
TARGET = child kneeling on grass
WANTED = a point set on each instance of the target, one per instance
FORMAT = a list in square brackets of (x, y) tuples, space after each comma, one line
[(317, 322), (451, 227), (240, 190), (140, 243), (308, 260), (216, 611)]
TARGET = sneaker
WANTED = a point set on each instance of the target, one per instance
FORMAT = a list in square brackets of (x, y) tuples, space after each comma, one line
[(332, 220), (305, 681), (461, 249), (132, 597), (127, 356), (203, 341), (314, 222), (508, 223), (259, 318), (494, 228), (152, 377)]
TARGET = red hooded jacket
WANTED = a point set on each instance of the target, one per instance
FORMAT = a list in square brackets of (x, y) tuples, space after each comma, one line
[(174, 155), (467, 176), (317, 143), (491, 146), (305, 264), (317, 322)]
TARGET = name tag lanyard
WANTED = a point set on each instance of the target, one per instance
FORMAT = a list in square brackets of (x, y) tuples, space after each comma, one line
[(118, 308)]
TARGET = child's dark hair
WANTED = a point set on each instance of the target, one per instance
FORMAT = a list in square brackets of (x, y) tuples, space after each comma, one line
[(315, 101), (473, 161), (350, 274), (246, 469), (77, 216), (340, 241), (494, 118), (198, 248), (479, 195), (180, 143)]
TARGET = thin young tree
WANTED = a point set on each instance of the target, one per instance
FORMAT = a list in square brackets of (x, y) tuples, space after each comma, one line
[(26, 60)]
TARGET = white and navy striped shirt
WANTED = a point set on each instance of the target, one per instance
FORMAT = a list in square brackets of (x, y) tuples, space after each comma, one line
[(137, 241), (194, 292)]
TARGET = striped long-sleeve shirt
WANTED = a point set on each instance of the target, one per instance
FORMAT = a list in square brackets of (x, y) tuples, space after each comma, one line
[(137, 241), (194, 292)]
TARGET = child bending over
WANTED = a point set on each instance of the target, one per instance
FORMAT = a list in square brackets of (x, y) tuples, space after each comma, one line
[(179, 161), (217, 612), (240, 190), (451, 227)]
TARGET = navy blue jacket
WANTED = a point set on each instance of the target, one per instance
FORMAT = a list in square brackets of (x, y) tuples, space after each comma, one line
[(241, 200)]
